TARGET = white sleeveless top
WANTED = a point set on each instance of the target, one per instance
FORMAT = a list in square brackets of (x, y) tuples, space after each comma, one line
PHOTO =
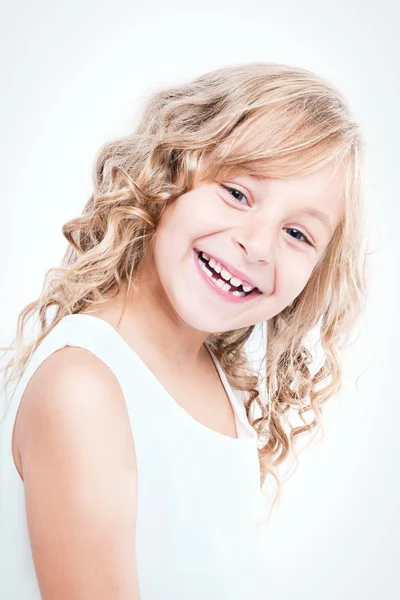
[(201, 517)]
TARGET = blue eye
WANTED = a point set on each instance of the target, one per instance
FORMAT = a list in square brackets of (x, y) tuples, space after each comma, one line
[(236, 191), (238, 195), (306, 239)]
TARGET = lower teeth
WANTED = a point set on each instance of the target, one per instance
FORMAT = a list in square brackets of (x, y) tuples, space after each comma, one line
[(208, 272)]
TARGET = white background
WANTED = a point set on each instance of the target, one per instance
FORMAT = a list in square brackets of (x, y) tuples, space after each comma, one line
[(73, 74)]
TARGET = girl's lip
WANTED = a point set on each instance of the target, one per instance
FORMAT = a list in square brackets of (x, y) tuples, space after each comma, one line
[(232, 270), (215, 288)]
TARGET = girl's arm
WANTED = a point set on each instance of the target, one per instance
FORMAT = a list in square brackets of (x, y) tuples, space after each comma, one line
[(79, 470)]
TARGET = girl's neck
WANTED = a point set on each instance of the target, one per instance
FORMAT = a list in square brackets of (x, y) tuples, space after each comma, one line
[(150, 330)]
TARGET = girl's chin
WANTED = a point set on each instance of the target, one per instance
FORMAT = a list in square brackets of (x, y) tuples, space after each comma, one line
[(198, 318)]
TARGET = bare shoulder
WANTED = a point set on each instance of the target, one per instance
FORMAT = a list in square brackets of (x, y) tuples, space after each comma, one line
[(71, 388), (78, 465)]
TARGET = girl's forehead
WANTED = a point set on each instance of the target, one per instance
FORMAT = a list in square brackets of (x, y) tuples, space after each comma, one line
[(327, 180)]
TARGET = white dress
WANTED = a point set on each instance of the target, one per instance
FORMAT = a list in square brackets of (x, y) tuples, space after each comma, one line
[(201, 518)]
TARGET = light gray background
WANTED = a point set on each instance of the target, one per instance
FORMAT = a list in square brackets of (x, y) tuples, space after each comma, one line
[(72, 76)]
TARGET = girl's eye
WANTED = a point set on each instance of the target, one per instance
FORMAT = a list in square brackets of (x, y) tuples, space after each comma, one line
[(306, 239), (237, 194)]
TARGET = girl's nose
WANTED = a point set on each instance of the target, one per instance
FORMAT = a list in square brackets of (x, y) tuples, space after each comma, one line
[(257, 245)]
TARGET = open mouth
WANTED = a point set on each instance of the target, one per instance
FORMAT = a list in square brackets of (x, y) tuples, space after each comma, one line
[(222, 278)]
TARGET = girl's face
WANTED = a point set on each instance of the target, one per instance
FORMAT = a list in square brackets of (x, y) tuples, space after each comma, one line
[(264, 232)]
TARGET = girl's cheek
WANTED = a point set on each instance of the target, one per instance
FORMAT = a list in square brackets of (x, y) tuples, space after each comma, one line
[(292, 279)]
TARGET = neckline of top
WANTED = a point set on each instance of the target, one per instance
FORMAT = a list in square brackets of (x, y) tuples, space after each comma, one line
[(239, 414)]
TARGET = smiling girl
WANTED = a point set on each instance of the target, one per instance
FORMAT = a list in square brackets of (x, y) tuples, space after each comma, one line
[(138, 438)]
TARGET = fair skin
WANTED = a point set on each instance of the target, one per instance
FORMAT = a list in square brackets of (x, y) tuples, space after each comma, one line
[(249, 230), (79, 472)]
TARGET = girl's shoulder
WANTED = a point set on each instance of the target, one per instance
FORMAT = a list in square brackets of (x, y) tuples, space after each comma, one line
[(71, 394)]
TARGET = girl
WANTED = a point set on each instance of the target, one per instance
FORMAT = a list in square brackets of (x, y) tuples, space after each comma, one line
[(137, 441)]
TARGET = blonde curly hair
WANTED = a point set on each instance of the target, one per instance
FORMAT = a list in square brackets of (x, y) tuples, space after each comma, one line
[(262, 118)]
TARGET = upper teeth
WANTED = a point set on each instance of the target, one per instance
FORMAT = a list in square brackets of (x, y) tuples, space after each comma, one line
[(235, 281)]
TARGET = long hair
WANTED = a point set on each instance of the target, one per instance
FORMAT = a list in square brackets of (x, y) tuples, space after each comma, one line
[(263, 118)]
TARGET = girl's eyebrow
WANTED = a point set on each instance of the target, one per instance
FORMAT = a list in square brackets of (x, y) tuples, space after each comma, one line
[(259, 177), (317, 214)]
